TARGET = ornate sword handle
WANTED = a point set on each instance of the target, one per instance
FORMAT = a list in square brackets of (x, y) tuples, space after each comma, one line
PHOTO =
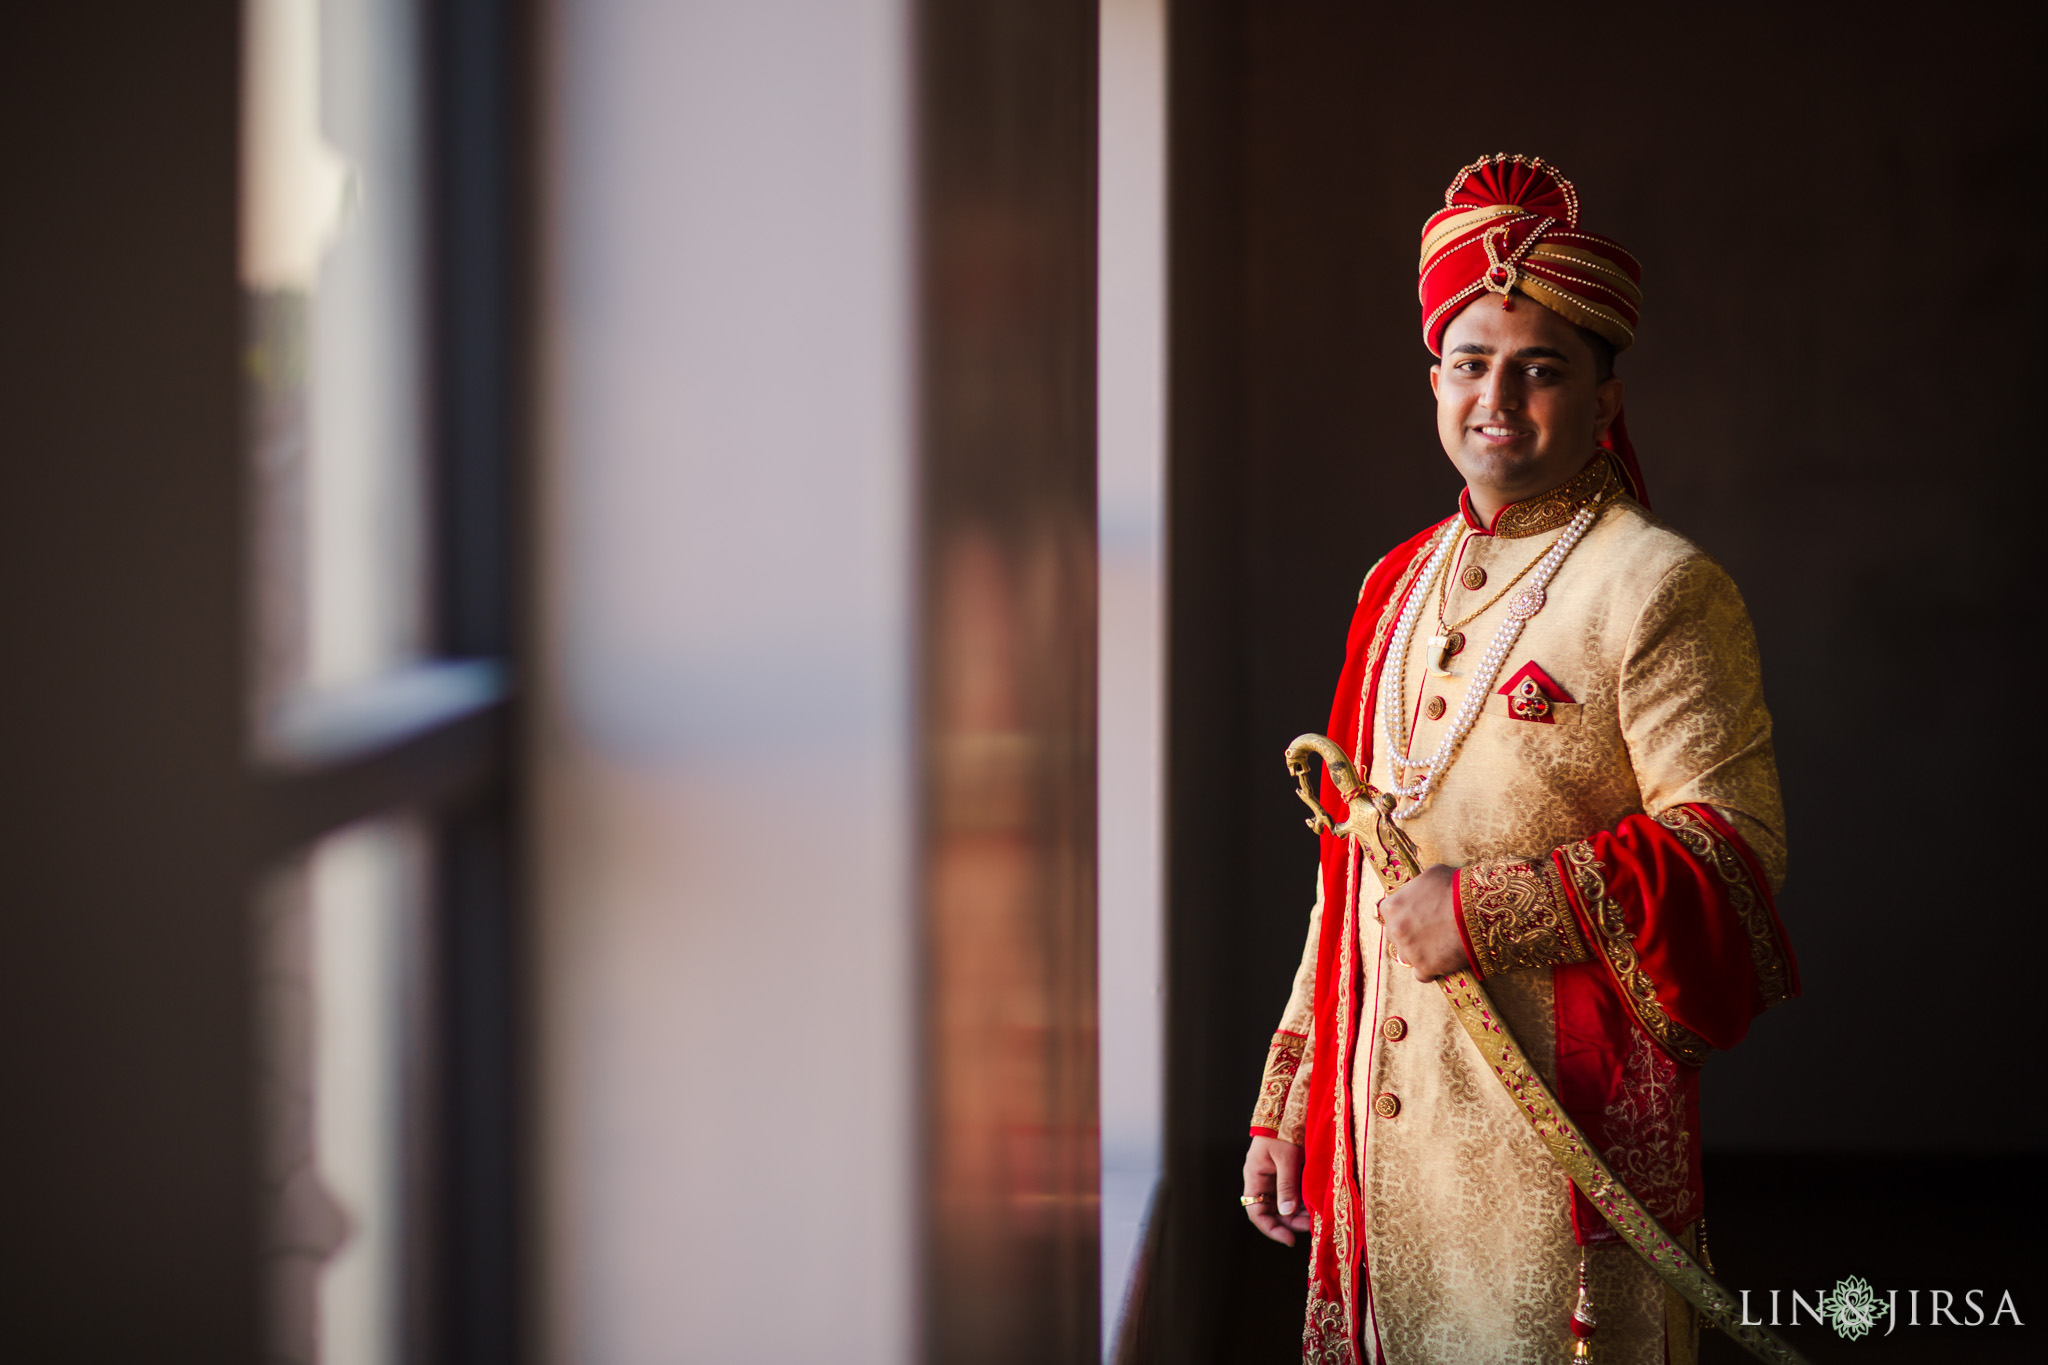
[(1341, 773), (1369, 813)]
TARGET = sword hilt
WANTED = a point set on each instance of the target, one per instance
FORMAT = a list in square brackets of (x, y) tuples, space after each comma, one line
[(1369, 812)]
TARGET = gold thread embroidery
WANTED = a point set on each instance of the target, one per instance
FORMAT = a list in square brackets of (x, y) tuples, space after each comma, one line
[(1766, 952), (1324, 1340), (1610, 925), (1283, 1060), (1518, 917), (1646, 1122), (1294, 1117), (1594, 484)]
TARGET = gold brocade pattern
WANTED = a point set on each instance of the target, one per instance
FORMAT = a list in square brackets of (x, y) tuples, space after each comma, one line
[(1766, 951), (1518, 917), (1610, 932), (1596, 483), (1283, 1060), (1646, 1123)]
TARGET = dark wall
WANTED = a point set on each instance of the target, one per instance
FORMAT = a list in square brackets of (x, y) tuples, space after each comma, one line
[(1828, 393), (130, 1214)]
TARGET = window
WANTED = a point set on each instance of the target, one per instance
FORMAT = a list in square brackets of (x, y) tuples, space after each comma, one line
[(375, 266)]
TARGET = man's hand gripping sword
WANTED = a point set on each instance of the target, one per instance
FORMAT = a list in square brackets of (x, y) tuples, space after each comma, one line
[(1369, 824)]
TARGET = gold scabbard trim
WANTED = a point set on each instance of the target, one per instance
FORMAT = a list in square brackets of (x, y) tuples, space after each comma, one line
[(1667, 1255), (1518, 917), (1766, 951), (1610, 936)]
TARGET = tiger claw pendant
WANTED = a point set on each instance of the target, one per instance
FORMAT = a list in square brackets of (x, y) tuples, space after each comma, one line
[(1442, 649)]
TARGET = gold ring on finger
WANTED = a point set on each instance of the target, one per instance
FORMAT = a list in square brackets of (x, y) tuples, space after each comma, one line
[(1247, 1200)]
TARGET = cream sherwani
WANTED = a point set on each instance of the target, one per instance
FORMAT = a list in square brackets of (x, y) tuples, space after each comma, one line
[(1469, 1249)]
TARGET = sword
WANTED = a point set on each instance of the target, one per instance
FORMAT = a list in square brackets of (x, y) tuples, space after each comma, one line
[(1369, 823)]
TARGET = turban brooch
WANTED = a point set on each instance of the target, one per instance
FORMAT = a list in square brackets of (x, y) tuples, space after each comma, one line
[(1511, 224)]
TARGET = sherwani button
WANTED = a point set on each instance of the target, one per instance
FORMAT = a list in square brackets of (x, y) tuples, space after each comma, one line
[(1396, 1028), (1435, 709), (1386, 1106), (1474, 577)]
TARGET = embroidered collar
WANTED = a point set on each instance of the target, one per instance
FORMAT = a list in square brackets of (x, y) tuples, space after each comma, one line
[(1591, 486)]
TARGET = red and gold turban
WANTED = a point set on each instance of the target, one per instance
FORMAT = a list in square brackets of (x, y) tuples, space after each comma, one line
[(1510, 225)]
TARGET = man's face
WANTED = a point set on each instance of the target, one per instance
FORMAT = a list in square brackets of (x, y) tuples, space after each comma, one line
[(1519, 402)]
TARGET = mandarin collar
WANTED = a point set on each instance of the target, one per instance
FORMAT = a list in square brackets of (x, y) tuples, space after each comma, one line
[(1596, 483)]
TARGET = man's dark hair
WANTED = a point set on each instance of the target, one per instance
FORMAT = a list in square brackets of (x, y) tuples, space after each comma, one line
[(1603, 353)]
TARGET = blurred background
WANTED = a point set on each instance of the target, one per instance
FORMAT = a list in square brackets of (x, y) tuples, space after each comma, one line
[(648, 645)]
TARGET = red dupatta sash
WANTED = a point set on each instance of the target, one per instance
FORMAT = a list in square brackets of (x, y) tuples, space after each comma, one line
[(1330, 1170)]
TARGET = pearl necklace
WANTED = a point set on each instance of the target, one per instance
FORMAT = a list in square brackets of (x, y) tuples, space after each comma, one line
[(1393, 700)]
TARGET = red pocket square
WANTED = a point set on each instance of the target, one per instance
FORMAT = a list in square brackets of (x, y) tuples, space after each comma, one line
[(1534, 695)]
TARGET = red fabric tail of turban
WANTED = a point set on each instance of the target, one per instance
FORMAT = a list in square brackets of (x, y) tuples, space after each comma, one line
[(1617, 445), (1510, 225)]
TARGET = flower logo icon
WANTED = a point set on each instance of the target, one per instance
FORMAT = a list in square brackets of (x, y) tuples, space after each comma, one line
[(1853, 1308)]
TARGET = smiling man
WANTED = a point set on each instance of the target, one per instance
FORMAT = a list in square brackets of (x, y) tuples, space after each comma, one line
[(1564, 696)]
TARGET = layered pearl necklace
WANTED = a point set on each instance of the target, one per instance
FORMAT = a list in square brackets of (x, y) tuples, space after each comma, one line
[(1393, 700)]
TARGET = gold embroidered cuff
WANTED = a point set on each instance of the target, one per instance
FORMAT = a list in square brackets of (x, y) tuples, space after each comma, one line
[(1517, 916), (1294, 1119), (1283, 1060)]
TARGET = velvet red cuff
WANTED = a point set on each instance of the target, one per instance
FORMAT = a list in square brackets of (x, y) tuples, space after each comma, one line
[(1464, 934)]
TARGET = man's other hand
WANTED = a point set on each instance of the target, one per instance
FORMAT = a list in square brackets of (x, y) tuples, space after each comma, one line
[(1273, 1168), (1422, 922)]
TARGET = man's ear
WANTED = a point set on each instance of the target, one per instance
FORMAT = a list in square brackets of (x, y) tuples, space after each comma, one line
[(1436, 379), (1606, 404)]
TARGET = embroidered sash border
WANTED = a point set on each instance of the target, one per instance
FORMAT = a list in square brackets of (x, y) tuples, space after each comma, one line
[(1766, 950), (1610, 934)]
